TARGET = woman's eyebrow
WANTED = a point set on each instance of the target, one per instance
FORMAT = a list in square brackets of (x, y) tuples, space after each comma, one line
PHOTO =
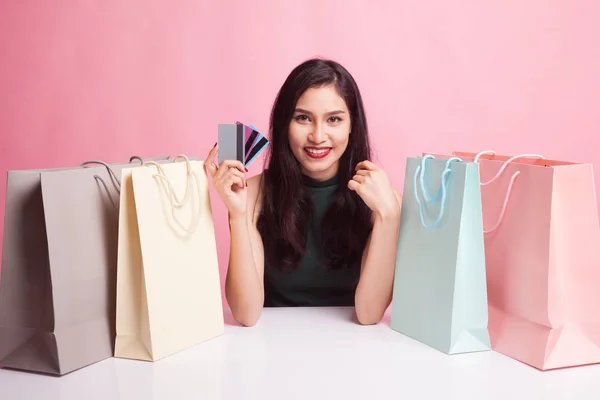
[(303, 111)]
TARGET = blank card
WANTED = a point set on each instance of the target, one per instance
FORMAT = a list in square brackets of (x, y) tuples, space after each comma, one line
[(231, 142)]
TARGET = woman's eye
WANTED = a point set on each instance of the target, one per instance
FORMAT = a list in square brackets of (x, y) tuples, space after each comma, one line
[(301, 118), (334, 119)]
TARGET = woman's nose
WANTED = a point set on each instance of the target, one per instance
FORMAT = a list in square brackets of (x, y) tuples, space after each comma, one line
[(318, 134)]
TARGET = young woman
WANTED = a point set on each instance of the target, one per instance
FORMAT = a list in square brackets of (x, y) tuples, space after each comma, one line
[(319, 227)]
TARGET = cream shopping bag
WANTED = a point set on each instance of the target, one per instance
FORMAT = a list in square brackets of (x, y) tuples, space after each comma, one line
[(168, 285)]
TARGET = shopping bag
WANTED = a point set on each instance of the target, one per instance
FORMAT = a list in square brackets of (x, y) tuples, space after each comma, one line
[(439, 293), (168, 283), (59, 267), (542, 241)]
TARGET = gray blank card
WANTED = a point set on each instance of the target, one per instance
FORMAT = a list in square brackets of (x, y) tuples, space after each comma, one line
[(231, 142)]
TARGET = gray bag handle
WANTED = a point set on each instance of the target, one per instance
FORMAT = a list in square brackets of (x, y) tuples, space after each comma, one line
[(114, 179)]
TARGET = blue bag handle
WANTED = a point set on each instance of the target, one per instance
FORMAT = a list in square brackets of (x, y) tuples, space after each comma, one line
[(441, 191)]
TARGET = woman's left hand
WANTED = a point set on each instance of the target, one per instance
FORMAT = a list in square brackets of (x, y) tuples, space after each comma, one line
[(371, 183)]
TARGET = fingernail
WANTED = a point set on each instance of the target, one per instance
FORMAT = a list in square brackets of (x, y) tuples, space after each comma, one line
[(246, 184), (246, 169), (215, 145)]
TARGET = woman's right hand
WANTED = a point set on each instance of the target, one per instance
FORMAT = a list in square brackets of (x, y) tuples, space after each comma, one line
[(229, 182)]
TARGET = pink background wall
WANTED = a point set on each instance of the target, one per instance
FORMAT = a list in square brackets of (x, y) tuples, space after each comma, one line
[(109, 79)]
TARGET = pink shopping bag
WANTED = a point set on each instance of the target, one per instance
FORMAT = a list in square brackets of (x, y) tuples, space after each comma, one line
[(542, 244)]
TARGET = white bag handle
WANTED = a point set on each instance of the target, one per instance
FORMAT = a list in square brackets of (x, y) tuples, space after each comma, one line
[(510, 185), (173, 199)]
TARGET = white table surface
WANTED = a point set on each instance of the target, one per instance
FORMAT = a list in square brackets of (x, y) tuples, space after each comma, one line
[(309, 353)]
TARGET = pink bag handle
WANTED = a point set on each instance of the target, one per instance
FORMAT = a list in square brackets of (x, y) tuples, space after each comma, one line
[(510, 185)]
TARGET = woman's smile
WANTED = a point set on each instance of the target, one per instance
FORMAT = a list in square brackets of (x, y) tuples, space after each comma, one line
[(317, 152)]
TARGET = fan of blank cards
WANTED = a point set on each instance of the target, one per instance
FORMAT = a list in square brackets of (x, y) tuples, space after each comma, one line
[(240, 142)]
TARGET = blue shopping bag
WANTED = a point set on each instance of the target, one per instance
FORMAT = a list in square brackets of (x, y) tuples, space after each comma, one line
[(440, 293)]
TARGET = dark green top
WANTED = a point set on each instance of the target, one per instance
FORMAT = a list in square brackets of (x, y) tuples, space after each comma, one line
[(311, 283)]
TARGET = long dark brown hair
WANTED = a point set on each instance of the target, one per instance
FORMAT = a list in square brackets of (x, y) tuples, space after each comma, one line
[(286, 206)]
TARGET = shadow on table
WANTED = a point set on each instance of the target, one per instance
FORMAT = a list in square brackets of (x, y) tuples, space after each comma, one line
[(342, 313)]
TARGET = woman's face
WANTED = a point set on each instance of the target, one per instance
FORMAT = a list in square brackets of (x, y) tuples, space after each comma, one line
[(319, 131)]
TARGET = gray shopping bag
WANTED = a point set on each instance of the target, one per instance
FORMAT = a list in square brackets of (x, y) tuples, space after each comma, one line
[(57, 289)]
